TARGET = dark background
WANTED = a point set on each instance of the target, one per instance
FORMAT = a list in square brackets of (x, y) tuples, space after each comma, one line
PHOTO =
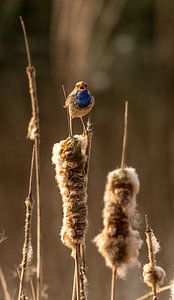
[(124, 50)]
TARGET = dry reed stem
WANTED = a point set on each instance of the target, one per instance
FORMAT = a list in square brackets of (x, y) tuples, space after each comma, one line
[(114, 274), (148, 295), (27, 247), (4, 286), (77, 270), (123, 156), (32, 289), (34, 134), (83, 278), (68, 114), (74, 295), (123, 162)]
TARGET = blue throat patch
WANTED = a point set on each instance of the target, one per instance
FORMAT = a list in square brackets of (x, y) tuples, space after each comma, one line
[(83, 98)]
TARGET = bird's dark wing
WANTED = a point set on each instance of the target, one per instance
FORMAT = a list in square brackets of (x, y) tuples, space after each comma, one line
[(70, 98)]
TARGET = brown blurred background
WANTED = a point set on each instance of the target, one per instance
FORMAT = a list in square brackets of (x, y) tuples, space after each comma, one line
[(124, 50)]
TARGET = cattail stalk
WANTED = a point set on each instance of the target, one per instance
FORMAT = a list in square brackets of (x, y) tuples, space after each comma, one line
[(27, 247), (123, 161), (34, 134), (77, 270), (68, 114), (119, 242), (74, 294), (123, 156), (114, 272), (71, 158)]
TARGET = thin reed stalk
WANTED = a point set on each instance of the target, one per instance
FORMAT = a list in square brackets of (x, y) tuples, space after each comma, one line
[(114, 274), (4, 286), (77, 270), (27, 247), (123, 162), (34, 134), (32, 289), (68, 114), (74, 294), (123, 156)]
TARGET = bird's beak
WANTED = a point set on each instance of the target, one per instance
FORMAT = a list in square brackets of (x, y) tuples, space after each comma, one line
[(82, 87)]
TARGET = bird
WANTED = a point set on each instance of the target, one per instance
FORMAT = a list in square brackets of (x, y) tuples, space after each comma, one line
[(79, 103)]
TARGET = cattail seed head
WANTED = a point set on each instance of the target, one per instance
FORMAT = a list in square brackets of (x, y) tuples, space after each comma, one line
[(118, 242), (69, 157), (155, 244), (153, 275), (32, 129)]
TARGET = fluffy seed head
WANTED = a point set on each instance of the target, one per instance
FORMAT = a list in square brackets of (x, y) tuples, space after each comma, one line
[(153, 275), (69, 157), (118, 242), (155, 244)]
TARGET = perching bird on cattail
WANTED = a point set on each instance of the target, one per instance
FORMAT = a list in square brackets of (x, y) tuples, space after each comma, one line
[(79, 102)]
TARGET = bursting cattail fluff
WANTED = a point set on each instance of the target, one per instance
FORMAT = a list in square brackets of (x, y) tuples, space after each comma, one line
[(69, 157), (119, 243), (27, 250), (152, 274)]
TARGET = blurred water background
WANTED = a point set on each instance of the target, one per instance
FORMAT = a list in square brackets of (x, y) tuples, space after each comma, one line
[(124, 50)]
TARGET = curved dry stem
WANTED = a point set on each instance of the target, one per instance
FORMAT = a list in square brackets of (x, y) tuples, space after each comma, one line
[(68, 114), (34, 134), (28, 221), (26, 42), (148, 295)]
